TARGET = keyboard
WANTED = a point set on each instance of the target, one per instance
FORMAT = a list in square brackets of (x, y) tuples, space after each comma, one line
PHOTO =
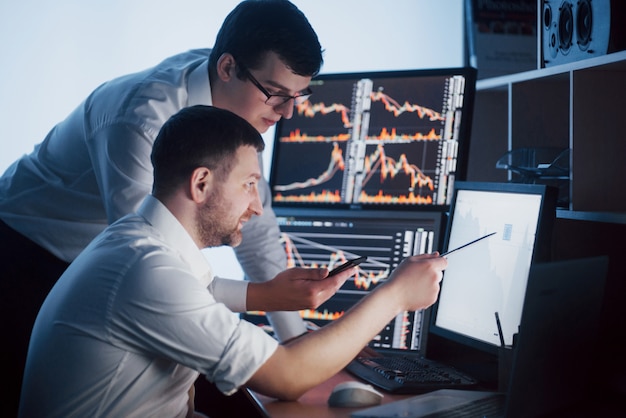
[(492, 407), (441, 404), (409, 374)]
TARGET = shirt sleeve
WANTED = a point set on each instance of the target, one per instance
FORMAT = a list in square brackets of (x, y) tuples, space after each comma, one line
[(120, 155), (231, 293), (161, 308), (262, 257)]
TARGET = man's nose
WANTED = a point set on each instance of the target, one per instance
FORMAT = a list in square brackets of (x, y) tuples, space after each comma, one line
[(286, 109)]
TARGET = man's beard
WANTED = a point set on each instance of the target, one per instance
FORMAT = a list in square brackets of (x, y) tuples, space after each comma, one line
[(215, 227)]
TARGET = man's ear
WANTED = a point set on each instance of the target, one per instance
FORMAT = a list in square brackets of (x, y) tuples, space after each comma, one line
[(201, 184), (226, 67)]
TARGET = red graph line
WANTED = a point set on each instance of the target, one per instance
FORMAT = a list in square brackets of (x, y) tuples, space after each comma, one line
[(309, 110), (410, 199), (394, 107), (324, 197), (324, 315), (295, 260), (385, 135), (365, 281), (293, 256), (309, 314), (296, 136), (390, 167)]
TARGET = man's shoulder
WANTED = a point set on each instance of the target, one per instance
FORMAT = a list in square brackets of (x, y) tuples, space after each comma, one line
[(191, 58), (148, 97)]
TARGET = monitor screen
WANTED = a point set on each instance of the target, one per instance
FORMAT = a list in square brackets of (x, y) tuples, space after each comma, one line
[(375, 139), (327, 238), (490, 276)]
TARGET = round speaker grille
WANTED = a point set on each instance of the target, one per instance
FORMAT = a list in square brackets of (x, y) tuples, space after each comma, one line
[(566, 26)]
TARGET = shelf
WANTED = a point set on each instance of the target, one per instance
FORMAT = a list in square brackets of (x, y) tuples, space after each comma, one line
[(607, 217), (615, 62), (576, 105)]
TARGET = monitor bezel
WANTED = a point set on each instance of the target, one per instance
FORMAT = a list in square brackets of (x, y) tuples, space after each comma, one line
[(470, 75), (542, 247)]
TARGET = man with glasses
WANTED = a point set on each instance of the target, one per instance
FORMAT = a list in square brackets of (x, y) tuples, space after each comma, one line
[(94, 167), (278, 99)]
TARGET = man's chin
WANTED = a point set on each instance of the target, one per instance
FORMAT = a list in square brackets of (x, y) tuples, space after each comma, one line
[(234, 240)]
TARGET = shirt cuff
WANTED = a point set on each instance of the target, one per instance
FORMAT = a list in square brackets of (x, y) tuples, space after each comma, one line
[(232, 293), (286, 325)]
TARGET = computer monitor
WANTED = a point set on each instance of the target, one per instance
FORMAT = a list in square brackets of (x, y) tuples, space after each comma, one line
[(329, 237), (490, 276), (395, 138)]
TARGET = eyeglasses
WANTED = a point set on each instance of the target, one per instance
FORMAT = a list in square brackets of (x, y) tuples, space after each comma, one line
[(278, 99)]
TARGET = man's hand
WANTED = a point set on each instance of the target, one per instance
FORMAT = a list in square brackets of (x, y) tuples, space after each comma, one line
[(295, 289), (416, 280)]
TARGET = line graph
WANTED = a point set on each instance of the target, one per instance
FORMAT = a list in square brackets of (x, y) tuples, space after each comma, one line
[(312, 240), (396, 109), (314, 250), (336, 163), (397, 179), (309, 110), (370, 141), (387, 166)]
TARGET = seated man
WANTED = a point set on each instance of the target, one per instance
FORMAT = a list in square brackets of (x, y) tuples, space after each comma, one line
[(138, 315)]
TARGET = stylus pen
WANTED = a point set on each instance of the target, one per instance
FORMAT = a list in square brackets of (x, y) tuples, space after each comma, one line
[(468, 244), (499, 325)]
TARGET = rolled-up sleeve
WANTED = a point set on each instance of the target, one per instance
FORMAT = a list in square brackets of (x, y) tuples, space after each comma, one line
[(231, 293)]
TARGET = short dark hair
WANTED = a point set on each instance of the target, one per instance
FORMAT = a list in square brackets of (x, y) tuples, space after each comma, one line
[(199, 136), (256, 27)]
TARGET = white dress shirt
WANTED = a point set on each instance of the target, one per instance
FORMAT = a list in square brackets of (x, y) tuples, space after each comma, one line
[(127, 328), (94, 167)]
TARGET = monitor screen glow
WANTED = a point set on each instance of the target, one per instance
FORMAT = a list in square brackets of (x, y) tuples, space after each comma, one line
[(490, 276)]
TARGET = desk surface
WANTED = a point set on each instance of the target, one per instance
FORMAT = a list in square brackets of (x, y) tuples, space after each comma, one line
[(313, 404)]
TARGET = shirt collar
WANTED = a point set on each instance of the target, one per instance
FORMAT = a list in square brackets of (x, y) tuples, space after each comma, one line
[(157, 214), (198, 85)]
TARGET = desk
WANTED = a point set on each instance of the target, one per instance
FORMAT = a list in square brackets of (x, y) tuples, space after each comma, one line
[(313, 404)]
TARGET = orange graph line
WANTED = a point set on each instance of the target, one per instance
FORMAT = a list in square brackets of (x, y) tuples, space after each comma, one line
[(324, 197), (365, 281), (394, 107), (410, 199), (336, 163), (296, 136), (308, 314), (324, 315), (385, 135), (389, 167), (309, 110)]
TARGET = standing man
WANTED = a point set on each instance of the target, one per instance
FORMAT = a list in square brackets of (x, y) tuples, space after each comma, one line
[(94, 167), (130, 324)]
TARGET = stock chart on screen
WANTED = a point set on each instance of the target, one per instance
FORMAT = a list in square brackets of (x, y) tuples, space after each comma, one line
[(376, 139)]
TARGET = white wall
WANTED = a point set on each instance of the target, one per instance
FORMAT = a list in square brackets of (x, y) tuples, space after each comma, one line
[(54, 54)]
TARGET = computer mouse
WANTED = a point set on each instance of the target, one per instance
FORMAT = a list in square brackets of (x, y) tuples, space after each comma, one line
[(354, 394)]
